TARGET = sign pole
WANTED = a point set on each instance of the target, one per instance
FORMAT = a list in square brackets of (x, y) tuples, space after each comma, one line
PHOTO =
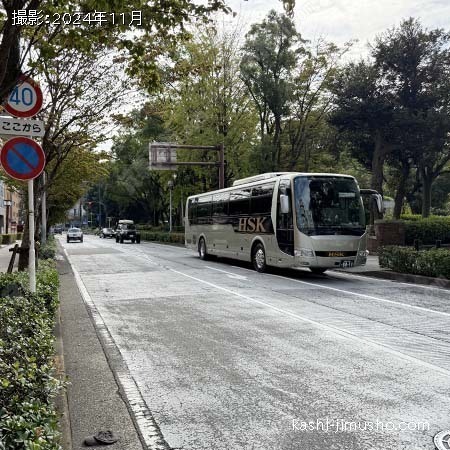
[(44, 210), (31, 259), (22, 158)]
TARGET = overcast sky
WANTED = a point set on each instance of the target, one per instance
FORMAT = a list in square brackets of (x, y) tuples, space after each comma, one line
[(342, 20)]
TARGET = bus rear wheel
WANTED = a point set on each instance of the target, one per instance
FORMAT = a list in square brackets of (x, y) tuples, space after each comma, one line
[(202, 249), (259, 258), (318, 270)]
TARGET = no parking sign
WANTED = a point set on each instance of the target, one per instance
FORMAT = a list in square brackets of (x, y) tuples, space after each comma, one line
[(22, 158)]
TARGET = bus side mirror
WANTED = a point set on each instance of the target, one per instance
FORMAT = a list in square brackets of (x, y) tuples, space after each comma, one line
[(285, 204), (378, 198)]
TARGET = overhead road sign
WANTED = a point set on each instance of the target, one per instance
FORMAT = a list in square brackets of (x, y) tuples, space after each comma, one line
[(22, 158), (163, 156), (26, 98), (21, 127)]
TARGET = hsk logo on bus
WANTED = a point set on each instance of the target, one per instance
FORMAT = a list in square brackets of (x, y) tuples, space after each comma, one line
[(252, 225)]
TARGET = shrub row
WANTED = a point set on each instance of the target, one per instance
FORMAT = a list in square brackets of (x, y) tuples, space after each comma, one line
[(7, 239), (430, 263), (28, 384), (160, 236), (48, 250), (428, 231), (413, 217), (176, 229)]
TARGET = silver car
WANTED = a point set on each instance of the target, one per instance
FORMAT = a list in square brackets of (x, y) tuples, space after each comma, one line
[(74, 234)]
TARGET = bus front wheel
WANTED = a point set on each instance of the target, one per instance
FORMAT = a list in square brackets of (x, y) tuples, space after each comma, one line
[(259, 258), (318, 270), (202, 250)]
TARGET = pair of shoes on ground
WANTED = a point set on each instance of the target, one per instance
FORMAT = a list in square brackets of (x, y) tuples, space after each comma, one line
[(101, 438)]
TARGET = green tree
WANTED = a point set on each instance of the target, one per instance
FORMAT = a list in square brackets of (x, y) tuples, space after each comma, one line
[(311, 102), (415, 63), (206, 103), (363, 113), (82, 89), (270, 55), (164, 24), (131, 190)]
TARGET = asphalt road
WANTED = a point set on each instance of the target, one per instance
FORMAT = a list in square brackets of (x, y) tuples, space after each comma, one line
[(227, 358)]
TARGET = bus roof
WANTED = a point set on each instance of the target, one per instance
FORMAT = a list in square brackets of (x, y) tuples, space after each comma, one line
[(270, 176)]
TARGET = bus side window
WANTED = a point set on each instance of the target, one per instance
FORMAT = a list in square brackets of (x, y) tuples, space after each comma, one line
[(204, 208), (240, 202), (262, 199), (220, 204)]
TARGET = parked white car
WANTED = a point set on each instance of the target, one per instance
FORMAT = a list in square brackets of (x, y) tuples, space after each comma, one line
[(74, 234)]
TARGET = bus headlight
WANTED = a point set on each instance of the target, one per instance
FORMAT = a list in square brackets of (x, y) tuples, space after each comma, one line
[(309, 253), (363, 253)]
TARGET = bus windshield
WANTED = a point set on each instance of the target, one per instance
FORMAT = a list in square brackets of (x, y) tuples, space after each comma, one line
[(328, 205)]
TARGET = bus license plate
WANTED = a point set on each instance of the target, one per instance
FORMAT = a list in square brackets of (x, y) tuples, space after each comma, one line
[(347, 264)]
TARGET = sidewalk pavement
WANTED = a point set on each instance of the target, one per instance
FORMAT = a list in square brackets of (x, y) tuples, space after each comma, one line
[(5, 257), (92, 401)]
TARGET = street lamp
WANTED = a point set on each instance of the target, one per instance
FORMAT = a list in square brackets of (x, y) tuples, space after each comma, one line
[(170, 184), (7, 204)]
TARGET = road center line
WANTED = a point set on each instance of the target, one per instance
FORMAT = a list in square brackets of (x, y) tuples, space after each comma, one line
[(331, 328)]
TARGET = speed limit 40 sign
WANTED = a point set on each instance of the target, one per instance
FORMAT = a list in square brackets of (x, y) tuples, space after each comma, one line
[(26, 98)]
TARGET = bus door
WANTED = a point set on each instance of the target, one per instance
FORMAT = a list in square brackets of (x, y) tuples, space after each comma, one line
[(220, 228), (285, 222), (239, 211)]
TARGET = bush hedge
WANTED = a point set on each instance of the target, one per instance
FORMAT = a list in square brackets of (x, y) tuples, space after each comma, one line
[(162, 228), (428, 231), (430, 263), (11, 238), (160, 236), (28, 384), (48, 250)]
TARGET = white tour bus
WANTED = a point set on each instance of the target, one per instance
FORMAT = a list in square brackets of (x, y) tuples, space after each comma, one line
[(312, 220)]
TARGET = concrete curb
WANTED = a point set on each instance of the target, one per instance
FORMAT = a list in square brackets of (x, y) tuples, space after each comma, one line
[(403, 278), (62, 404)]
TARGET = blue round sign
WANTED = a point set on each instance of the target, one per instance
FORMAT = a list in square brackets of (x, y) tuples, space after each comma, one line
[(22, 158)]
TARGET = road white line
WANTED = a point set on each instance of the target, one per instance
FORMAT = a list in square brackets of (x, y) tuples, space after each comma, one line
[(370, 297), (230, 274), (330, 328), (384, 280)]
